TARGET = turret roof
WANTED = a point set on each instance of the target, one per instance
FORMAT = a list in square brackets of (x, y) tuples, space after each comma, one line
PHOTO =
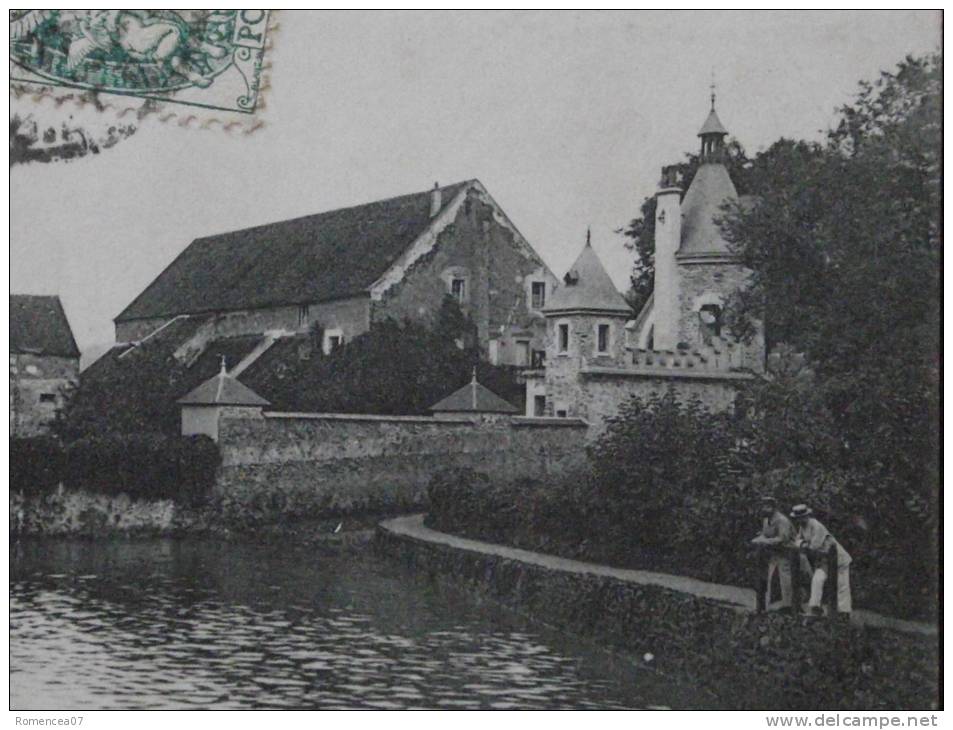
[(587, 286), (222, 390), (712, 125), (710, 189), (474, 398)]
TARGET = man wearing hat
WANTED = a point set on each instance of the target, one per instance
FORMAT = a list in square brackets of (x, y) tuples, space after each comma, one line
[(776, 529), (812, 535)]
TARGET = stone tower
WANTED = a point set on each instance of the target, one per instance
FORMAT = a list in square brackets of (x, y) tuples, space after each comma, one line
[(696, 273), (585, 328)]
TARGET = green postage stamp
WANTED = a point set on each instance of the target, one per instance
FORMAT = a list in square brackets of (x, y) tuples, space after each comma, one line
[(203, 58)]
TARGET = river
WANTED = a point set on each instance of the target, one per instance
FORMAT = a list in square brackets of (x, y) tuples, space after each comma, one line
[(203, 624)]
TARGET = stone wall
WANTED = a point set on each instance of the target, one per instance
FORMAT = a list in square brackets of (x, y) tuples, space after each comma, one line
[(38, 389), (740, 660), (482, 248), (313, 464), (62, 512), (601, 394), (713, 284)]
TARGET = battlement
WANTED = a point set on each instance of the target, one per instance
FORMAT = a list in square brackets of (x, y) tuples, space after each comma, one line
[(719, 356)]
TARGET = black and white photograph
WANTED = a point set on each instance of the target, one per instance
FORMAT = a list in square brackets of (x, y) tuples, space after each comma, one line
[(484, 360)]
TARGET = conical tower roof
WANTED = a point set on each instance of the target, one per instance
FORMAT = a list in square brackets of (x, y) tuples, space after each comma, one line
[(587, 287), (222, 390), (712, 125), (473, 398), (710, 189)]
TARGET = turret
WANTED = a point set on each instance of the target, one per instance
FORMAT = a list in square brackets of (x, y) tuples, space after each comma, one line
[(668, 237)]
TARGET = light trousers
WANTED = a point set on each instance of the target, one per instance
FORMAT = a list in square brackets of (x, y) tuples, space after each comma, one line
[(783, 566), (843, 587)]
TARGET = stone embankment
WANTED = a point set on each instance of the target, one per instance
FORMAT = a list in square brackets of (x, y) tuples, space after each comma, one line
[(689, 628)]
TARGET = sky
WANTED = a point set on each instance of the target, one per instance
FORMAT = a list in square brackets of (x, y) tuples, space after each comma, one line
[(566, 118)]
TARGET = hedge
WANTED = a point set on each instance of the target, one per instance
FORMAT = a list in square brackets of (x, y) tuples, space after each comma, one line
[(141, 465)]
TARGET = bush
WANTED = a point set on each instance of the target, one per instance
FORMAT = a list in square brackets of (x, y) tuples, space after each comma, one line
[(675, 488), (146, 466), (36, 464), (141, 465)]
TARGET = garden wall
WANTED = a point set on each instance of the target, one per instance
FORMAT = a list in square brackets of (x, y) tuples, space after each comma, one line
[(311, 464)]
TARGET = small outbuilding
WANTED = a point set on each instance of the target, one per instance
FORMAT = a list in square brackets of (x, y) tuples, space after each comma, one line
[(202, 407), (473, 399)]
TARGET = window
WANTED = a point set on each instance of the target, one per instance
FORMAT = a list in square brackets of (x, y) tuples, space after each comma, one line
[(539, 359), (539, 294), (304, 312), (709, 319), (333, 339), (458, 290), (47, 398), (561, 413), (522, 353), (563, 334), (539, 405), (602, 338)]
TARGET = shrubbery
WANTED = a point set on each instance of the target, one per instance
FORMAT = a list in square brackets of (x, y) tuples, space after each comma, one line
[(145, 466), (673, 487)]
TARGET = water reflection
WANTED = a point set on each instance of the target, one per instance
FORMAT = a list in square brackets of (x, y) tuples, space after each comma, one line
[(186, 624)]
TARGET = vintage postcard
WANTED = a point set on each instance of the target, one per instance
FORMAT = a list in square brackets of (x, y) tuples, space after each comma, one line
[(517, 361)]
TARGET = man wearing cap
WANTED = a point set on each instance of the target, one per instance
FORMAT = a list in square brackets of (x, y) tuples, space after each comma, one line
[(776, 529), (812, 535)]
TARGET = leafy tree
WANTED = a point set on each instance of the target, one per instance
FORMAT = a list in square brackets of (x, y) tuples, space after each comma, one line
[(641, 230), (845, 248)]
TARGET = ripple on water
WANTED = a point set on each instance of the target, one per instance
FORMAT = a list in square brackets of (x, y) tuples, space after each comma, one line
[(200, 627)]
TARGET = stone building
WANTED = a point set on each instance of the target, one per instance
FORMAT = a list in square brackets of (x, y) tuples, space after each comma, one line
[(44, 362), (344, 269), (597, 357)]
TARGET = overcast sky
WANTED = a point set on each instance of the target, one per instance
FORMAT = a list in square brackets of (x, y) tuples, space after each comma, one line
[(566, 118)]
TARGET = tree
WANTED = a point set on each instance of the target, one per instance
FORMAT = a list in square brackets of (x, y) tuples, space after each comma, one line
[(844, 244), (641, 230)]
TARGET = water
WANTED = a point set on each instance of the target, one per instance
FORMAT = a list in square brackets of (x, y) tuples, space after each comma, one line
[(192, 624)]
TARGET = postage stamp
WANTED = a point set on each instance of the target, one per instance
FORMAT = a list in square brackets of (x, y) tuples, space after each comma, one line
[(210, 59)]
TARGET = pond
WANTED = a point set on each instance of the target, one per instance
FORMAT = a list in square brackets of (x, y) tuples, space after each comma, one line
[(202, 624)]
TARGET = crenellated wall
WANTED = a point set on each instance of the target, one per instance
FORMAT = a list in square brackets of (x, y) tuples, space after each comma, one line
[(311, 464)]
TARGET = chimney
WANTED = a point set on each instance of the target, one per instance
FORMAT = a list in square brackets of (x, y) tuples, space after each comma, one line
[(668, 238), (435, 200)]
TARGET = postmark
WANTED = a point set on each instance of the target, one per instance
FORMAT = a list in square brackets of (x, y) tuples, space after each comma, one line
[(205, 59)]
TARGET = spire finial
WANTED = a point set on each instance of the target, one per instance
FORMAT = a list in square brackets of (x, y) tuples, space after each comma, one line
[(588, 235), (713, 89), (223, 371), (473, 379)]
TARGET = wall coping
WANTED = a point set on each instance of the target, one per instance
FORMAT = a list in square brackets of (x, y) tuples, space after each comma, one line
[(531, 421), (666, 372), (516, 421), (295, 415)]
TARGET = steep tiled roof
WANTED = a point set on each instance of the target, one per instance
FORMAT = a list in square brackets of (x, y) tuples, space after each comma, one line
[(320, 257), (710, 188), (587, 286), (223, 390), (38, 325), (473, 398)]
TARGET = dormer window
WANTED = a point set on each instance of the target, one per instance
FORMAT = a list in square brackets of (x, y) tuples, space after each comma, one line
[(458, 289), (539, 294)]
